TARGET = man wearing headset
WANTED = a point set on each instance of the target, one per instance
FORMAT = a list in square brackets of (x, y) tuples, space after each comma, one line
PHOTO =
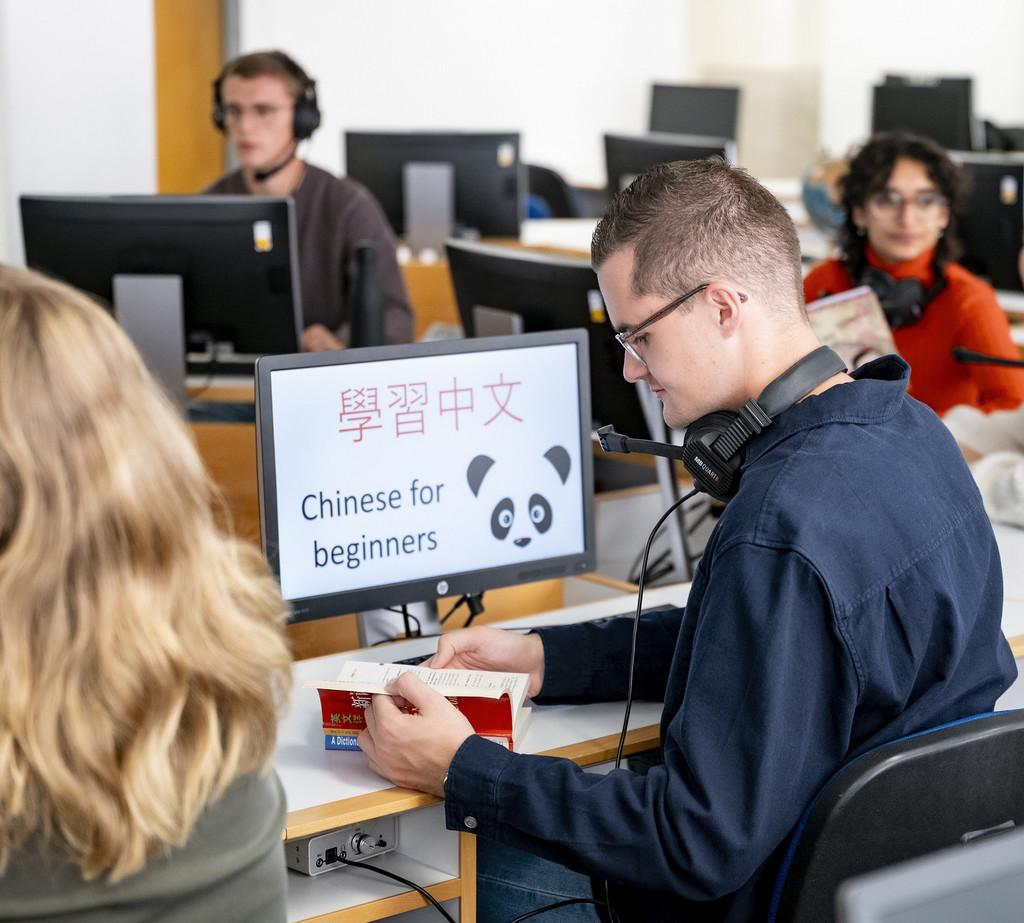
[(266, 105), (849, 595)]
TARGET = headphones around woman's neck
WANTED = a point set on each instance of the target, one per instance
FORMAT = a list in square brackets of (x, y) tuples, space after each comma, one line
[(903, 300)]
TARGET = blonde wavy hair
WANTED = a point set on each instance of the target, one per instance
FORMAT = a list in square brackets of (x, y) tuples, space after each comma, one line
[(142, 656)]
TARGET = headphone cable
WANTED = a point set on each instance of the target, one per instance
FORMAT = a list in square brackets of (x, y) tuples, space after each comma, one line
[(606, 903), (405, 881), (636, 621)]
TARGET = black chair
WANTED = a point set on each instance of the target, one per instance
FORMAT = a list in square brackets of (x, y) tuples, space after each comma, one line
[(1013, 137), (548, 185), (950, 785)]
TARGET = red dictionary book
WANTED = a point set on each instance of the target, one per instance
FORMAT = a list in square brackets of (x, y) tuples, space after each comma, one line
[(493, 702)]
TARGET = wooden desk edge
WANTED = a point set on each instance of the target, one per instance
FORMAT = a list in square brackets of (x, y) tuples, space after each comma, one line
[(1017, 645), (324, 817)]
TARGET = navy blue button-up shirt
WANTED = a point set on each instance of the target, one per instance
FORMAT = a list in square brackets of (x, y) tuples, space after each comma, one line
[(850, 594)]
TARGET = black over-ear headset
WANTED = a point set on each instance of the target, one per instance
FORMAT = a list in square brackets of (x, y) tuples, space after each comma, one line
[(712, 450), (306, 118), (902, 300)]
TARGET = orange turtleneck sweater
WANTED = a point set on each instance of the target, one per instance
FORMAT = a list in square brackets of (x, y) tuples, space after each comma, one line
[(965, 313)]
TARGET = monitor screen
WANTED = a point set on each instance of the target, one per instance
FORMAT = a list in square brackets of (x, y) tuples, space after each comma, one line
[(489, 187), (235, 256), (992, 223), (939, 109), (628, 156), (694, 110), (394, 474), (983, 881), (548, 293)]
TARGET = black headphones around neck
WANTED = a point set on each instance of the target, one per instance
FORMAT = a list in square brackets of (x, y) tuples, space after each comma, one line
[(903, 300), (306, 116), (712, 449)]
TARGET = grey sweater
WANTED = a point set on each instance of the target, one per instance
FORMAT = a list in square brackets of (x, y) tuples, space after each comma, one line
[(231, 870), (331, 216)]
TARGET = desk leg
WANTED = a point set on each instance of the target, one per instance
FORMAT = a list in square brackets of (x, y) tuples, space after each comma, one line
[(467, 877)]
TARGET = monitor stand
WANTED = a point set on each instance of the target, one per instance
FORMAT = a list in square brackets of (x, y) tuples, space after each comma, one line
[(376, 626), (429, 204), (668, 488), (151, 311)]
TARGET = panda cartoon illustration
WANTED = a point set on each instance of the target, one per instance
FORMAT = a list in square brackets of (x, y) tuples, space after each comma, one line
[(527, 516)]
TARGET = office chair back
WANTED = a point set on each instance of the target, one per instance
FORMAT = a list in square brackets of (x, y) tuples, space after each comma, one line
[(548, 185), (951, 785)]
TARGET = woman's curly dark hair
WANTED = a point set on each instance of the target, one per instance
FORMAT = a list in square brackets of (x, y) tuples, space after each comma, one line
[(870, 170)]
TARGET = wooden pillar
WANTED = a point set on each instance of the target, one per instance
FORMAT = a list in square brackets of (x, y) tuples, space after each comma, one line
[(189, 38)]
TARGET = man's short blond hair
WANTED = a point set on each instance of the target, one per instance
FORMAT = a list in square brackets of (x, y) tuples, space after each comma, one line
[(695, 221)]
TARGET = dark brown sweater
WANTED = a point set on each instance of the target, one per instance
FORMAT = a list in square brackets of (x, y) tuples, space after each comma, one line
[(331, 216)]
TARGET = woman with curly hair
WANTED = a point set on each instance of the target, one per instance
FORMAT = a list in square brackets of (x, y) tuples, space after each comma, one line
[(142, 656), (901, 196)]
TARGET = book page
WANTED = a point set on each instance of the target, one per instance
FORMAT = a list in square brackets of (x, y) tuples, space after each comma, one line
[(361, 676), (853, 324)]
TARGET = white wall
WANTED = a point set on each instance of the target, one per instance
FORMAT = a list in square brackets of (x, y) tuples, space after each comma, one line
[(770, 50), (77, 94), (3, 145), (77, 102), (862, 41), (560, 71)]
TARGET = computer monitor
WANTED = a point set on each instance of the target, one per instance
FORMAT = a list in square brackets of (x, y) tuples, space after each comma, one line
[(489, 188), (992, 223), (549, 293), (982, 881), (401, 473), (688, 109), (628, 156), (937, 108), (235, 257)]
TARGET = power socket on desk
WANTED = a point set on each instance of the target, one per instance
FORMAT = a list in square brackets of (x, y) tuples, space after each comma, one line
[(314, 855)]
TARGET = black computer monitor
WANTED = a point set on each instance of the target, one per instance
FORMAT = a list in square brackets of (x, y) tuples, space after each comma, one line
[(489, 186), (992, 223), (235, 256), (937, 108), (549, 293), (627, 156), (687, 109), (401, 473)]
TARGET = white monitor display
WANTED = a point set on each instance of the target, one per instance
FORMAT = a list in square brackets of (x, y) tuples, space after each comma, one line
[(396, 474)]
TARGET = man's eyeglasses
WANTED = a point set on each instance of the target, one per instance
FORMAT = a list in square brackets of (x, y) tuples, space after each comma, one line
[(631, 339), (263, 113), (888, 203)]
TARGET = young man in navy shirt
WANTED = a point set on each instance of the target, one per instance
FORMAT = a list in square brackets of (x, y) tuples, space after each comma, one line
[(850, 594)]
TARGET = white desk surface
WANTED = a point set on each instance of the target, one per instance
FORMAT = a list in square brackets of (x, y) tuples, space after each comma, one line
[(575, 233), (565, 233), (1011, 301), (1011, 549), (313, 776), (219, 381)]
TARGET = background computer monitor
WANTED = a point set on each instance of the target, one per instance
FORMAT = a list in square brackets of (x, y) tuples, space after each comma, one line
[(939, 108), (235, 256), (549, 293), (626, 156), (992, 223), (688, 109), (489, 187), (402, 473), (983, 881)]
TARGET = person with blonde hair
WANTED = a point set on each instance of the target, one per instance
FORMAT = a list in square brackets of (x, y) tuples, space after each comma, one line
[(142, 656)]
